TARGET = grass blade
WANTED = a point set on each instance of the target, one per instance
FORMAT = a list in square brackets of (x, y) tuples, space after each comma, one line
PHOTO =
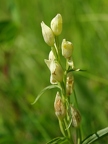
[(42, 92), (58, 140), (96, 136)]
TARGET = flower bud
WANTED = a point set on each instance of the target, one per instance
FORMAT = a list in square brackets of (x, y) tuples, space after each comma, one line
[(67, 48), (59, 107), (56, 24), (47, 34), (55, 69), (76, 117), (69, 84), (51, 55)]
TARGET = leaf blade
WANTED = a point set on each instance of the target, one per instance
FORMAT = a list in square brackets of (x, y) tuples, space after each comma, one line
[(58, 140), (96, 136), (42, 92)]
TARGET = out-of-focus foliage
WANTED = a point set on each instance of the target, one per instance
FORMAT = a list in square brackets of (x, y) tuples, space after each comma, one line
[(23, 73)]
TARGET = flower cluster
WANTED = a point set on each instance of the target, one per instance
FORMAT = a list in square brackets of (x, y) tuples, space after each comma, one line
[(61, 66), (60, 75)]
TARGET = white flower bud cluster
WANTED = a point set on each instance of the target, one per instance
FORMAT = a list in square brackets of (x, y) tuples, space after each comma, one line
[(55, 30), (49, 37), (49, 34), (59, 75)]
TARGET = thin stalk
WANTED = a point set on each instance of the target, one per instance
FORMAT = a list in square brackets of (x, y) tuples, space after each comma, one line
[(78, 131), (78, 136), (81, 136), (62, 85), (61, 128), (66, 125), (57, 44), (75, 98), (68, 132)]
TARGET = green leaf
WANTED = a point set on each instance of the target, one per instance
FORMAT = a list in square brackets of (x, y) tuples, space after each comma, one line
[(96, 136), (43, 91), (58, 140)]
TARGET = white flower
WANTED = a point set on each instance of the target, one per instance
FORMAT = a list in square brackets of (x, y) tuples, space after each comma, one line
[(56, 24), (47, 34), (67, 48), (55, 69)]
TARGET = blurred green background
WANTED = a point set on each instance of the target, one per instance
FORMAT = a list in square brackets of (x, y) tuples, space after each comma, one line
[(23, 73)]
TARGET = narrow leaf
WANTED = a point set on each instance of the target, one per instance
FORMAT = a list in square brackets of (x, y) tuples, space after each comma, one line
[(54, 140), (46, 88), (58, 140), (96, 136)]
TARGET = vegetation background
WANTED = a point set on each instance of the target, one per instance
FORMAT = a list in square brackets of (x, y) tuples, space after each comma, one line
[(23, 73)]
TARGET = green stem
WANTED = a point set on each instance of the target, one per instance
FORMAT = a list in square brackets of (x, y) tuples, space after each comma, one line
[(75, 98), (78, 131), (61, 128), (57, 44), (66, 125), (63, 91), (78, 136)]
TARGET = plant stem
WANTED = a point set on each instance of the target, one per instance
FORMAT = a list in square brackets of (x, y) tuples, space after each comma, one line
[(61, 128), (57, 44), (75, 98), (66, 125), (78, 136), (78, 131)]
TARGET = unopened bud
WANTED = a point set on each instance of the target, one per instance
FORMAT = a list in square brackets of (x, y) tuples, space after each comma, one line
[(76, 117), (56, 24), (59, 107), (47, 34), (69, 84), (51, 55), (67, 48)]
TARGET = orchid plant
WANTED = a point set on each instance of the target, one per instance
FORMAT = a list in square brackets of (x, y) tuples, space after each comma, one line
[(61, 77)]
